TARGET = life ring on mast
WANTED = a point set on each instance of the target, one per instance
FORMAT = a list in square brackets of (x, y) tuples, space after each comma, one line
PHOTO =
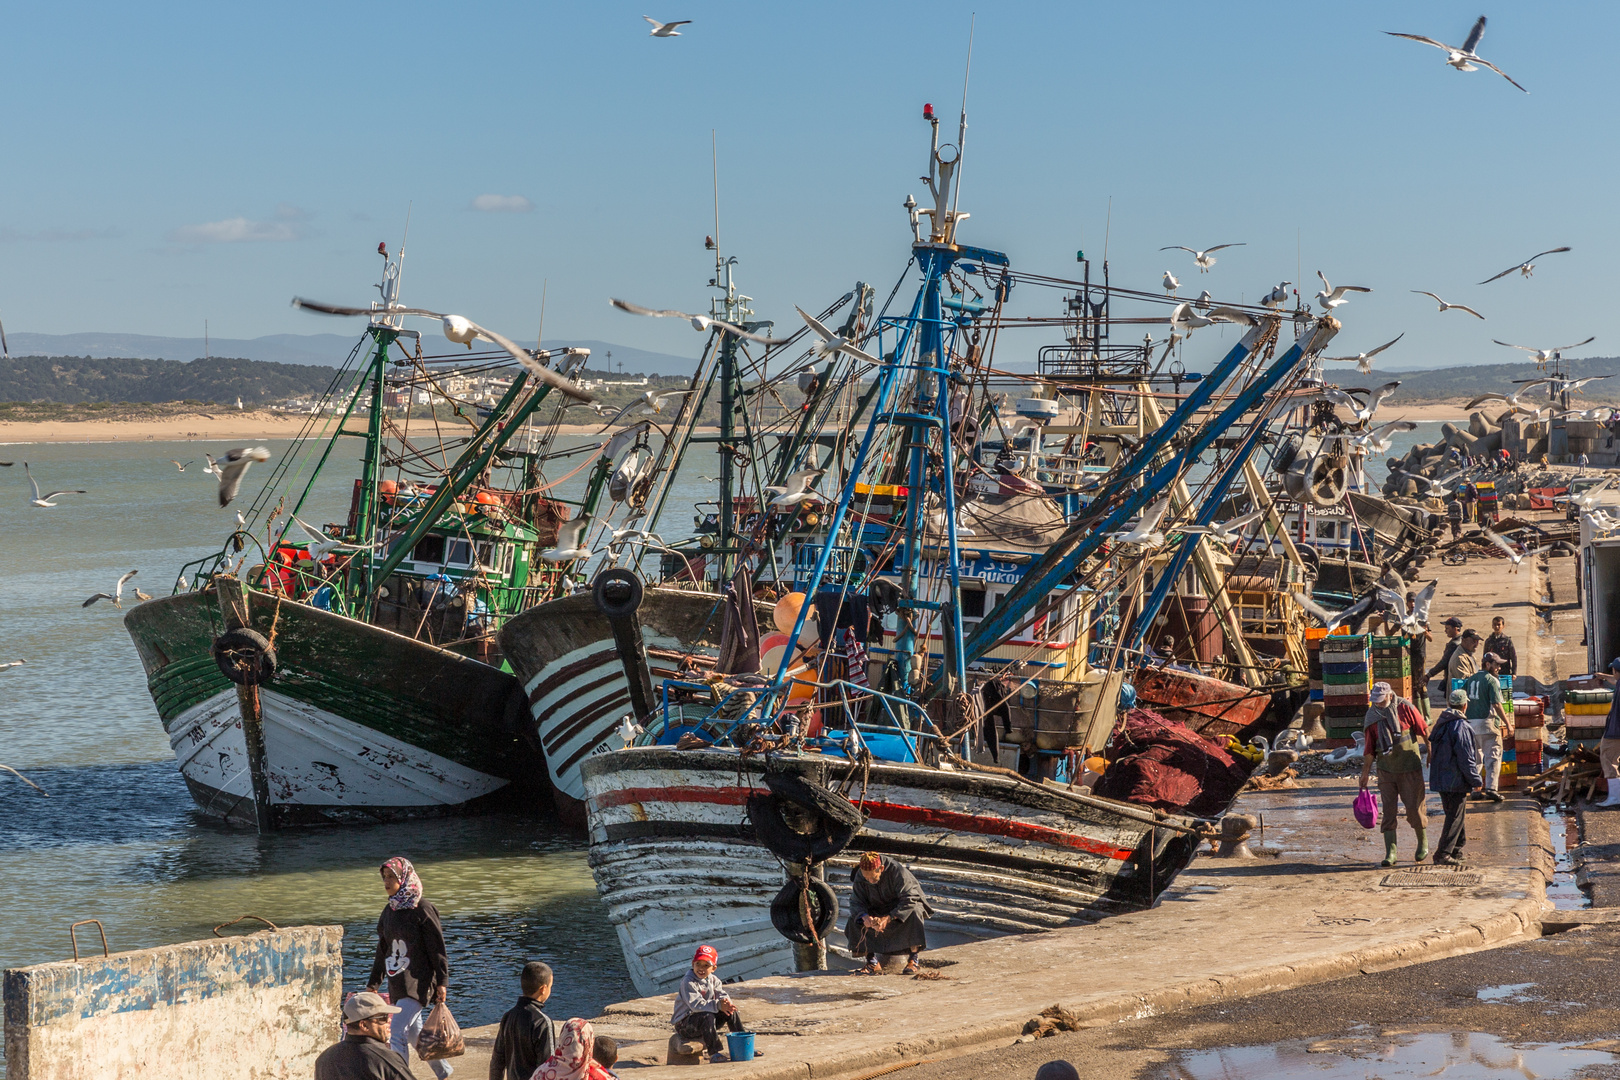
[(245, 656), (801, 821), (789, 907)]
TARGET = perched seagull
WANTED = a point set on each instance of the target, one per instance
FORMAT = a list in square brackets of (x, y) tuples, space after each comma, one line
[(1277, 297), (1448, 307), (1363, 361), (796, 489), (1378, 440), (212, 468), (1525, 267), (570, 542), (1544, 355), (45, 500), (1358, 410), (1170, 283), (699, 322), (1331, 298), (1508, 549), (9, 664), (1202, 258), (1332, 619), (628, 729), (231, 465), (239, 402), (1428, 485), (116, 596), (1204, 301), (650, 403), (1464, 58), (142, 597), (666, 29), (241, 522), (464, 331), (1146, 530), (831, 343), (179, 466), (1511, 399)]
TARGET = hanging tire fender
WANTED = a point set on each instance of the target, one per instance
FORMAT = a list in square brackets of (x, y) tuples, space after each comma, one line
[(245, 656), (788, 911), (617, 593)]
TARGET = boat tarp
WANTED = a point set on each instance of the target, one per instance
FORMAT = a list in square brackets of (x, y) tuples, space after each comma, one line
[(1012, 521), (1165, 764)]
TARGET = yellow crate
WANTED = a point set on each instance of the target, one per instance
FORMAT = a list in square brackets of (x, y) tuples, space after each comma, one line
[(1599, 709)]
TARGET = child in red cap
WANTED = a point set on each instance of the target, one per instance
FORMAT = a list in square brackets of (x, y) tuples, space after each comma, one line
[(700, 1003)]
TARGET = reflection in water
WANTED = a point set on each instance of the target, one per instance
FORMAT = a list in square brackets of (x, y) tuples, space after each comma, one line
[(1455, 1055)]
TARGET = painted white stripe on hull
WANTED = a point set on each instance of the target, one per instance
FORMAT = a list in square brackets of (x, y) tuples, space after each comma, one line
[(316, 758)]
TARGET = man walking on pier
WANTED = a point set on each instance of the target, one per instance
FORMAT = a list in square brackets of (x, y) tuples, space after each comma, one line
[(1394, 728), (1489, 721), (1453, 773), (1502, 645), (1453, 631)]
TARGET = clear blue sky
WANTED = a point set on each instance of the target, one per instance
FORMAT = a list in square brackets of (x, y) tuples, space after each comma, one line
[(170, 163)]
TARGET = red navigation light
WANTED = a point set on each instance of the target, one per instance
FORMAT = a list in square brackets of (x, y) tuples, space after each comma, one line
[(382, 249), (928, 112)]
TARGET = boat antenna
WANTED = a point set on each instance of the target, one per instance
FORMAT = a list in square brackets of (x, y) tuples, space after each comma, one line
[(714, 163), (961, 129), (540, 334), (1108, 230)]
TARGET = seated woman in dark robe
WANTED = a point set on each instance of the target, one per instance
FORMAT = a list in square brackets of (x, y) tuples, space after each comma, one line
[(886, 913)]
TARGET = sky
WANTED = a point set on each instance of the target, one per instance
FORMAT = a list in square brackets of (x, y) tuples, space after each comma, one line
[(167, 164)]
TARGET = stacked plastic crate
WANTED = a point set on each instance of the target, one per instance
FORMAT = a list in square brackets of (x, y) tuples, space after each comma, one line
[(1585, 713), (1346, 679), (1529, 732), (1391, 663), (1313, 665)]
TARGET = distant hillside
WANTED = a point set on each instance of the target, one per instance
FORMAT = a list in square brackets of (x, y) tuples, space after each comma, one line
[(79, 379), (1442, 384)]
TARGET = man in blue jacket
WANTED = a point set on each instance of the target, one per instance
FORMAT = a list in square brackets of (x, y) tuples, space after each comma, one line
[(1453, 773)]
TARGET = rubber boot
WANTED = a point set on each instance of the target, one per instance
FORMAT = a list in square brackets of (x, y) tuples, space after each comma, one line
[(1423, 846), (1389, 849), (1613, 798)]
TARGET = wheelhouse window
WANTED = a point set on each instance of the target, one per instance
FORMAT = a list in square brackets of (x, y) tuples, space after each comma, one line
[(458, 553), (429, 549)]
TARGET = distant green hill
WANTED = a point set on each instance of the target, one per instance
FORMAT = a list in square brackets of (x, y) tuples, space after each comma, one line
[(1442, 384), (79, 379)]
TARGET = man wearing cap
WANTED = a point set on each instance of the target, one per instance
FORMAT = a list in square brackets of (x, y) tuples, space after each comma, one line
[(1464, 661), (1609, 745), (1453, 773), (1489, 721), (1453, 629), (364, 1053), (1394, 730)]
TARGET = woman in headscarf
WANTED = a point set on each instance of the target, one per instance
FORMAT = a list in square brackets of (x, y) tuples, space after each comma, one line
[(575, 1058), (411, 953), (1394, 729), (886, 912)]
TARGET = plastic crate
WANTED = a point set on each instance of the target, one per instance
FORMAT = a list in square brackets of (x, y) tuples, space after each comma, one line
[(1380, 641), (1586, 710)]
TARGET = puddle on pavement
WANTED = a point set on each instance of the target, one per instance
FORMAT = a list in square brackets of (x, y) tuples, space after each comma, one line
[(1505, 992), (1459, 1055), (1565, 831)]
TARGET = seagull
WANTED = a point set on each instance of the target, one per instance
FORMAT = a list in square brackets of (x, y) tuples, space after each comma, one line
[(1544, 355), (832, 343), (570, 542), (1525, 267), (1363, 361), (1184, 320), (795, 489), (1331, 298), (650, 403), (1204, 301), (1277, 297), (666, 29), (1145, 531), (1428, 485), (1361, 412), (1448, 307), (1507, 548), (239, 402), (1602, 414), (231, 465), (1202, 258), (116, 596), (1411, 621), (699, 322), (1378, 440), (320, 545), (1227, 531), (622, 535), (1330, 619), (628, 729), (1170, 283), (8, 665), (1587, 500), (1511, 399), (1564, 385), (1464, 58), (140, 596), (241, 522), (212, 468), (179, 466), (464, 331), (45, 500)]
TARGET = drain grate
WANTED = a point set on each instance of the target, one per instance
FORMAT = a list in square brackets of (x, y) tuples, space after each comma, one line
[(1432, 877)]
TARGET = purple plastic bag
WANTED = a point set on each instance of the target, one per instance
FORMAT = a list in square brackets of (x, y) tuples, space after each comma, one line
[(1366, 808)]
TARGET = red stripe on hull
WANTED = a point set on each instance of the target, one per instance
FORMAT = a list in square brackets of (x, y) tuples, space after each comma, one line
[(883, 811)]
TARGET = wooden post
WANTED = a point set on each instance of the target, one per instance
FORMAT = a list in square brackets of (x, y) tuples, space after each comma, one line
[(233, 606)]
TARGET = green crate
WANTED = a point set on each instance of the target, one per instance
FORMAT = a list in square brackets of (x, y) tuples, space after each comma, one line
[(1380, 641)]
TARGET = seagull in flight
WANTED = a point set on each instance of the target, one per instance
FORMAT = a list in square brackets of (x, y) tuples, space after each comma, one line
[(116, 596), (1511, 399), (1544, 355), (1602, 414), (1448, 307), (1332, 619), (1525, 268), (650, 403), (1202, 258), (1428, 485), (1563, 385), (832, 343), (232, 465), (1277, 297), (1378, 439), (1331, 298), (796, 489), (699, 322), (1363, 361), (1464, 58), (45, 500), (179, 466), (212, 468), (320, 545), (9, 664), (570, 542), (1357, 409), (666, 29), (1184, 320), (464, 331), (1146, 530), (1227, 531), (1170, 283), (1508, 549)]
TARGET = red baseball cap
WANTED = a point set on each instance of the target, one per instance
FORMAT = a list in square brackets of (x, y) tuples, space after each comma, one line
[(706, 952)]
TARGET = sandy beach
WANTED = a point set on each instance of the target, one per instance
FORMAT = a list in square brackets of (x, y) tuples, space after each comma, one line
[(202, 427)]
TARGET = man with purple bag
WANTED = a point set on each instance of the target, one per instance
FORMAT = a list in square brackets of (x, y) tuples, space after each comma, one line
[(1394, 729)]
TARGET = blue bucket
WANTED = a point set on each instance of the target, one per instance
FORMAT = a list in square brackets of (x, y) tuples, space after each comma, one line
[(741, 1045)]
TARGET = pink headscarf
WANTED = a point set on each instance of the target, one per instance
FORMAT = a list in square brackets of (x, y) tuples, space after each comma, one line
[(409, 893), (574, 1059)]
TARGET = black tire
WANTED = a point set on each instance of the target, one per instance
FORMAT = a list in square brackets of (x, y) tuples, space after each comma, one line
[(617, 593), (825, 802), (787, 911), (245, 656), (794, 833)]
